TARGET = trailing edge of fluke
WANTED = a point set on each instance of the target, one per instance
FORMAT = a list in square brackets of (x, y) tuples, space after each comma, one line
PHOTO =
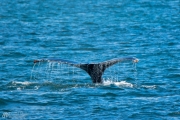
[(95, 70)]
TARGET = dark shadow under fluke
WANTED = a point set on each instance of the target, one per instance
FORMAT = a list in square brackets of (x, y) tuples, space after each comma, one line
[(95, 70)]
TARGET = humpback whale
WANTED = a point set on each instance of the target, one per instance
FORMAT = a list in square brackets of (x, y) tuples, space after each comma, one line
[(95, 70)]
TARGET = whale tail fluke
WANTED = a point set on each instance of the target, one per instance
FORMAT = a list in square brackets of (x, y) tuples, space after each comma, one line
[(95, 70)]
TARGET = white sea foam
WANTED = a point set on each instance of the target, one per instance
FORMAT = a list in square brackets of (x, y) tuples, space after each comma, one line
[(22, 83), (119, 84), (149, 86), (19, 89)]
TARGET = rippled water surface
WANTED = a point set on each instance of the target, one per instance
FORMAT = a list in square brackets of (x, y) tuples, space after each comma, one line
[(89, 31)]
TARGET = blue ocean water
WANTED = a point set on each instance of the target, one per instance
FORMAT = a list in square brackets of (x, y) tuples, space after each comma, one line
[(89, 31)]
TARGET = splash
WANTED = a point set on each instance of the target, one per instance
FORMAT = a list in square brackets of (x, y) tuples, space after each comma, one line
[(118, 84), (32, 71), (16, 85), (52, 71), (121, 71)]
